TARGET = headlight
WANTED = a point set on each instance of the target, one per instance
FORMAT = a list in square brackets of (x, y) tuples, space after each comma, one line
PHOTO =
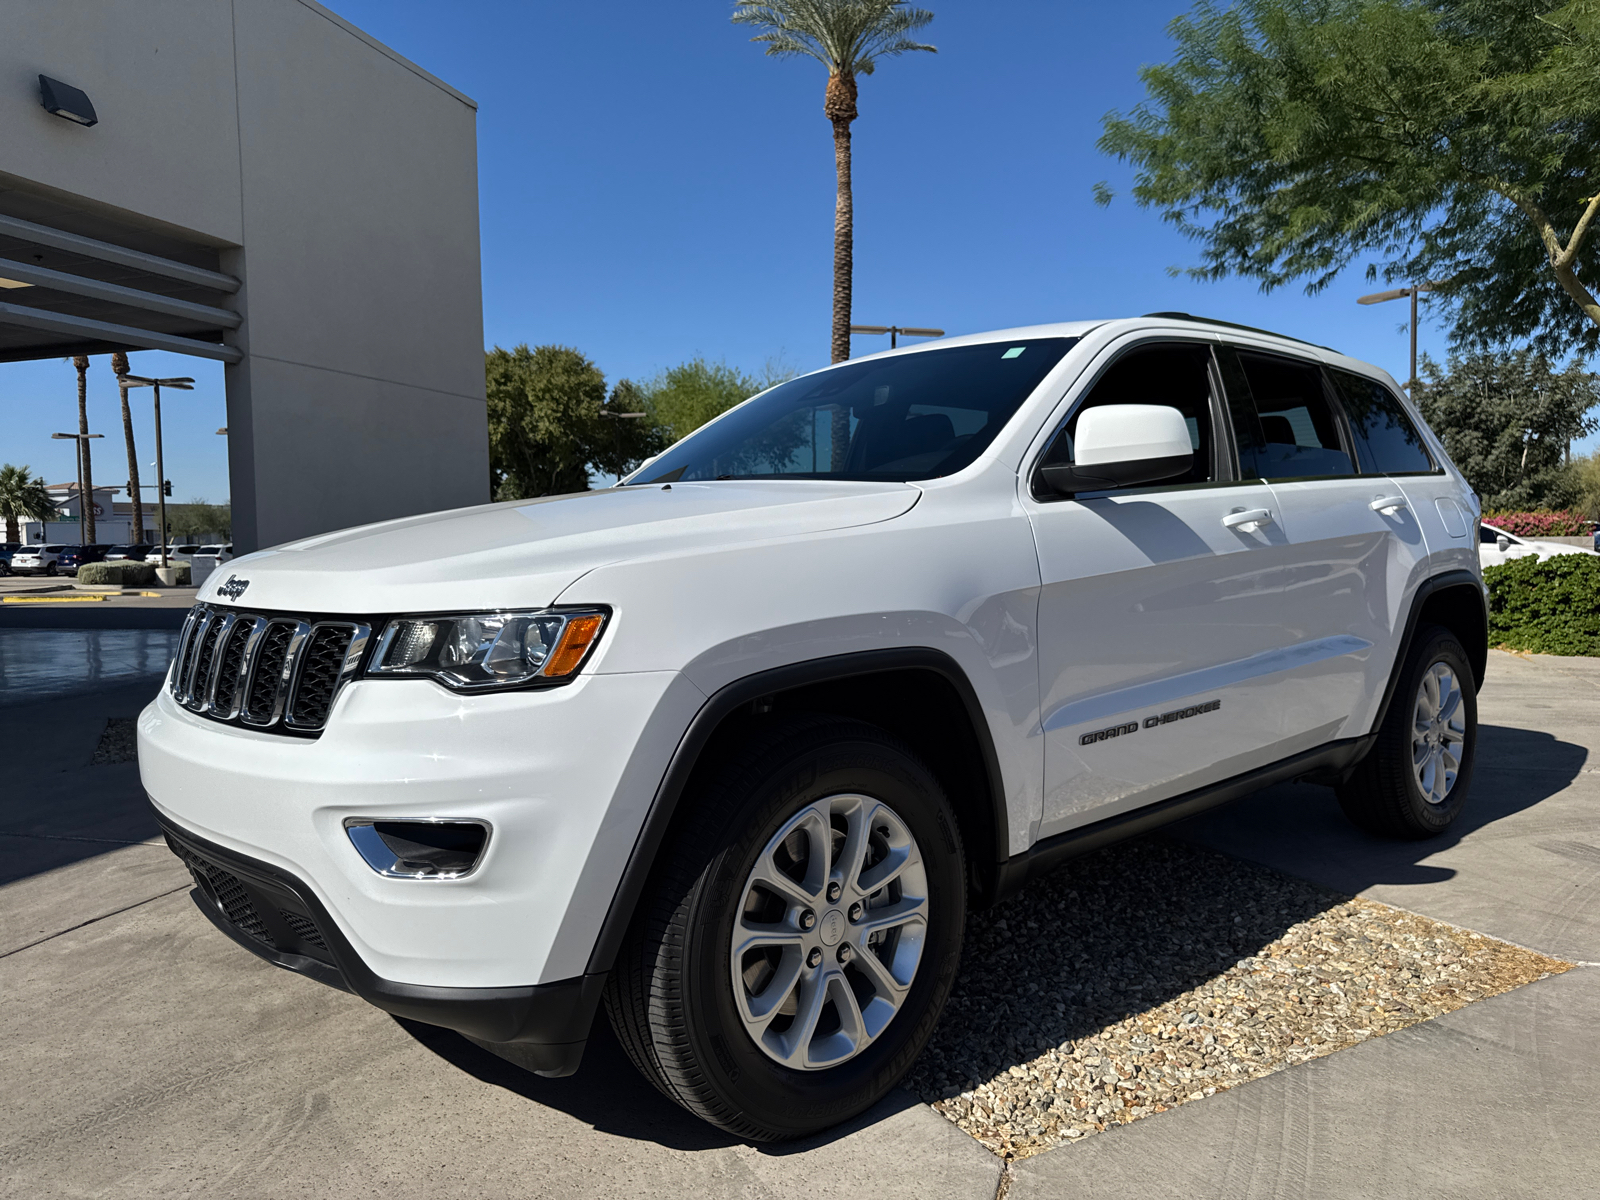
[(483, 651)]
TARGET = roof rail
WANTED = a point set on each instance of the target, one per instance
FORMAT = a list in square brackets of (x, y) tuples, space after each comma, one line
[(1288, 337)]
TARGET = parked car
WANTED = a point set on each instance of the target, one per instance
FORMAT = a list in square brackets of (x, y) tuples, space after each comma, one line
[(73, 557), (37, 560), (1496, 546), (135, 552), (1597, 540), (735, 746), (7, 549), (206, 560), (176, 553)]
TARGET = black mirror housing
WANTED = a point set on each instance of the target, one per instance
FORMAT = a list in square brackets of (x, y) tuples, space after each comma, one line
[(1067, 479)]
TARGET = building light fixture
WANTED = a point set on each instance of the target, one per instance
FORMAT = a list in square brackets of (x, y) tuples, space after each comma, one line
[(64, 100), (13, 283)]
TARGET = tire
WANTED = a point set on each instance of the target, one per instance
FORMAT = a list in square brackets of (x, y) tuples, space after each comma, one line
[(808, 783), (50, 569), (1390, 792)]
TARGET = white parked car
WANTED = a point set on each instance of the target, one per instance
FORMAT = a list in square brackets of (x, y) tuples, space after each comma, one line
[(1496, 546), (206, 560), (37, 560), (176, 553), (734, 747)]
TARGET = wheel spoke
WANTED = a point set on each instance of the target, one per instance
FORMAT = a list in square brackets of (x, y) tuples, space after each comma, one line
[(750, 935), (879, 975), (891, 916), (851, 1022), (797, 1039), (768, 876), (857, 839), (762, 1007)]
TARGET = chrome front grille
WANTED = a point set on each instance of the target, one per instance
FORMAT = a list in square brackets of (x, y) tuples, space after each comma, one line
[(264, 670)]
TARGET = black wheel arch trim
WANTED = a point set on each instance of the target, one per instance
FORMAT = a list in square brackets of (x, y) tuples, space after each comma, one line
[(727, 700), (549, 1022), (1477, 654)]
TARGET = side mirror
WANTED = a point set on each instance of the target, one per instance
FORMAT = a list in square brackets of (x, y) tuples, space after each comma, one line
[(1503, 542), (1117, 445)]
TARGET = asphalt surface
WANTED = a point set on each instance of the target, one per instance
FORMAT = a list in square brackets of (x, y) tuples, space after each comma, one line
[(148, 1055)]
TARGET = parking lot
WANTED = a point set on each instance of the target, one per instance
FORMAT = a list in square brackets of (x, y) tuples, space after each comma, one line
[(150, 1056)]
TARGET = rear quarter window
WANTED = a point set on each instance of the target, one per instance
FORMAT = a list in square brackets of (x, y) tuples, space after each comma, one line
[(1387, 442)]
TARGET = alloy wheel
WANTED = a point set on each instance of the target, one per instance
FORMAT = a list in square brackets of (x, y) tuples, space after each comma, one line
[(829, 932), (1438, 732)]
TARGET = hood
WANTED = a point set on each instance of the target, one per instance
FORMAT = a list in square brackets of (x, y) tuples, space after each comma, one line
[(526, 553)]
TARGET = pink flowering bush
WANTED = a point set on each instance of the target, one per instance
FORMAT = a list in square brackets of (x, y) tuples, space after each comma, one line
[(1565, 523)]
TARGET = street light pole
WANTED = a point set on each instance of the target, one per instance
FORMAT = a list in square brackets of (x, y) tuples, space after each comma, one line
[(182, 383), (1397, 294), (80, 439), (894, 331)]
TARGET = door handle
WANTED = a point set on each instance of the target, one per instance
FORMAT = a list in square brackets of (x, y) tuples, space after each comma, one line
[(1388, 504), (1248, 521)]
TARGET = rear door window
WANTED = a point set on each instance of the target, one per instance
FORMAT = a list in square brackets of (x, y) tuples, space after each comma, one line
[(1387, 443), (1289, 429)]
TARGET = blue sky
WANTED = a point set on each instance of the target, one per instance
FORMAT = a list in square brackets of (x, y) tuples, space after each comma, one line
[(653, 187)]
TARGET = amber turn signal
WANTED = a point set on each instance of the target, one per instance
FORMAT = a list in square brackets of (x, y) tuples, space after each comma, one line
[(575, 641)]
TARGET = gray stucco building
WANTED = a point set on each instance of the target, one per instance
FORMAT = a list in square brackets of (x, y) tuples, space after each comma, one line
[(267, 186)]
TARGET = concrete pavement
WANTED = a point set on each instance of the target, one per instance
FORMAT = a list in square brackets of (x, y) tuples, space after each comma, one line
[(1495, 1100), (147, 1055)]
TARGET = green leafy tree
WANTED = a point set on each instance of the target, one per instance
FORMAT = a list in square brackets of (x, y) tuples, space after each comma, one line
[(23, 498), (550, 423), (1584, 485), (848, 37), (1507, 418), (685, 397), (1456, 141)]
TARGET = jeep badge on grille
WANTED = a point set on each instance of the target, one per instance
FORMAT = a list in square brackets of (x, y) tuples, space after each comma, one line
[(234, 588)]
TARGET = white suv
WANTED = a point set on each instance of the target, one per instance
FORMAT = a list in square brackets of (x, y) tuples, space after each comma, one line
[(735, 746)]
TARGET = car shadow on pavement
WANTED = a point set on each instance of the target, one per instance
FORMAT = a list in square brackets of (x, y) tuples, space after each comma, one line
[(606, 1093), (1298, 828)]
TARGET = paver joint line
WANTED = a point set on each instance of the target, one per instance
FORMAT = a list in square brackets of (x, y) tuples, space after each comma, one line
[(92, 920)]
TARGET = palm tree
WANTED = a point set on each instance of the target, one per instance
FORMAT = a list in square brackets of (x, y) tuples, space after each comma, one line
[(847, 37), (85, 473), (119, 367), (22, 498)]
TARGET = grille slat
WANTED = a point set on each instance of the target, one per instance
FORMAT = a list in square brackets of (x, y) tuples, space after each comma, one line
[(231, 897), (321, 665), (265, 671), (225, 703)]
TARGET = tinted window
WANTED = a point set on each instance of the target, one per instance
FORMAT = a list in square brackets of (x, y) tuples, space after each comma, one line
[(1387, 443), (1292, 432), (910, 416), (1173, 375)]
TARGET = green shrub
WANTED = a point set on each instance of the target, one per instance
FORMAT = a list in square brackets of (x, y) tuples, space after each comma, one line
[(1550, 607), (120, 573)]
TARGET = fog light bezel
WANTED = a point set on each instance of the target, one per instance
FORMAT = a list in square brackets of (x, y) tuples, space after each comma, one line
[(382, 859)]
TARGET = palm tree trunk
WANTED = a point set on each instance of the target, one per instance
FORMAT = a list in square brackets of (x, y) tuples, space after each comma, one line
[(119, 364), (86, 528), (839, 106)]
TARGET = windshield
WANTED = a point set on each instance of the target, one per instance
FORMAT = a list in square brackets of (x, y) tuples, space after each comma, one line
[(904, 417)]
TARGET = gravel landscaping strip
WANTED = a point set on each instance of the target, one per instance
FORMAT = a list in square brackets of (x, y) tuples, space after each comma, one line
[(118, 744), (1154, 973)]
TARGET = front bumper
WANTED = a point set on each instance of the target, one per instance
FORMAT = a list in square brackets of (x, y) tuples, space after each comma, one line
[(276, 916)]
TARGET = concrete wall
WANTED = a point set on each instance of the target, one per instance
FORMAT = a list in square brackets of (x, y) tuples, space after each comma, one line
[(338, 181)]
